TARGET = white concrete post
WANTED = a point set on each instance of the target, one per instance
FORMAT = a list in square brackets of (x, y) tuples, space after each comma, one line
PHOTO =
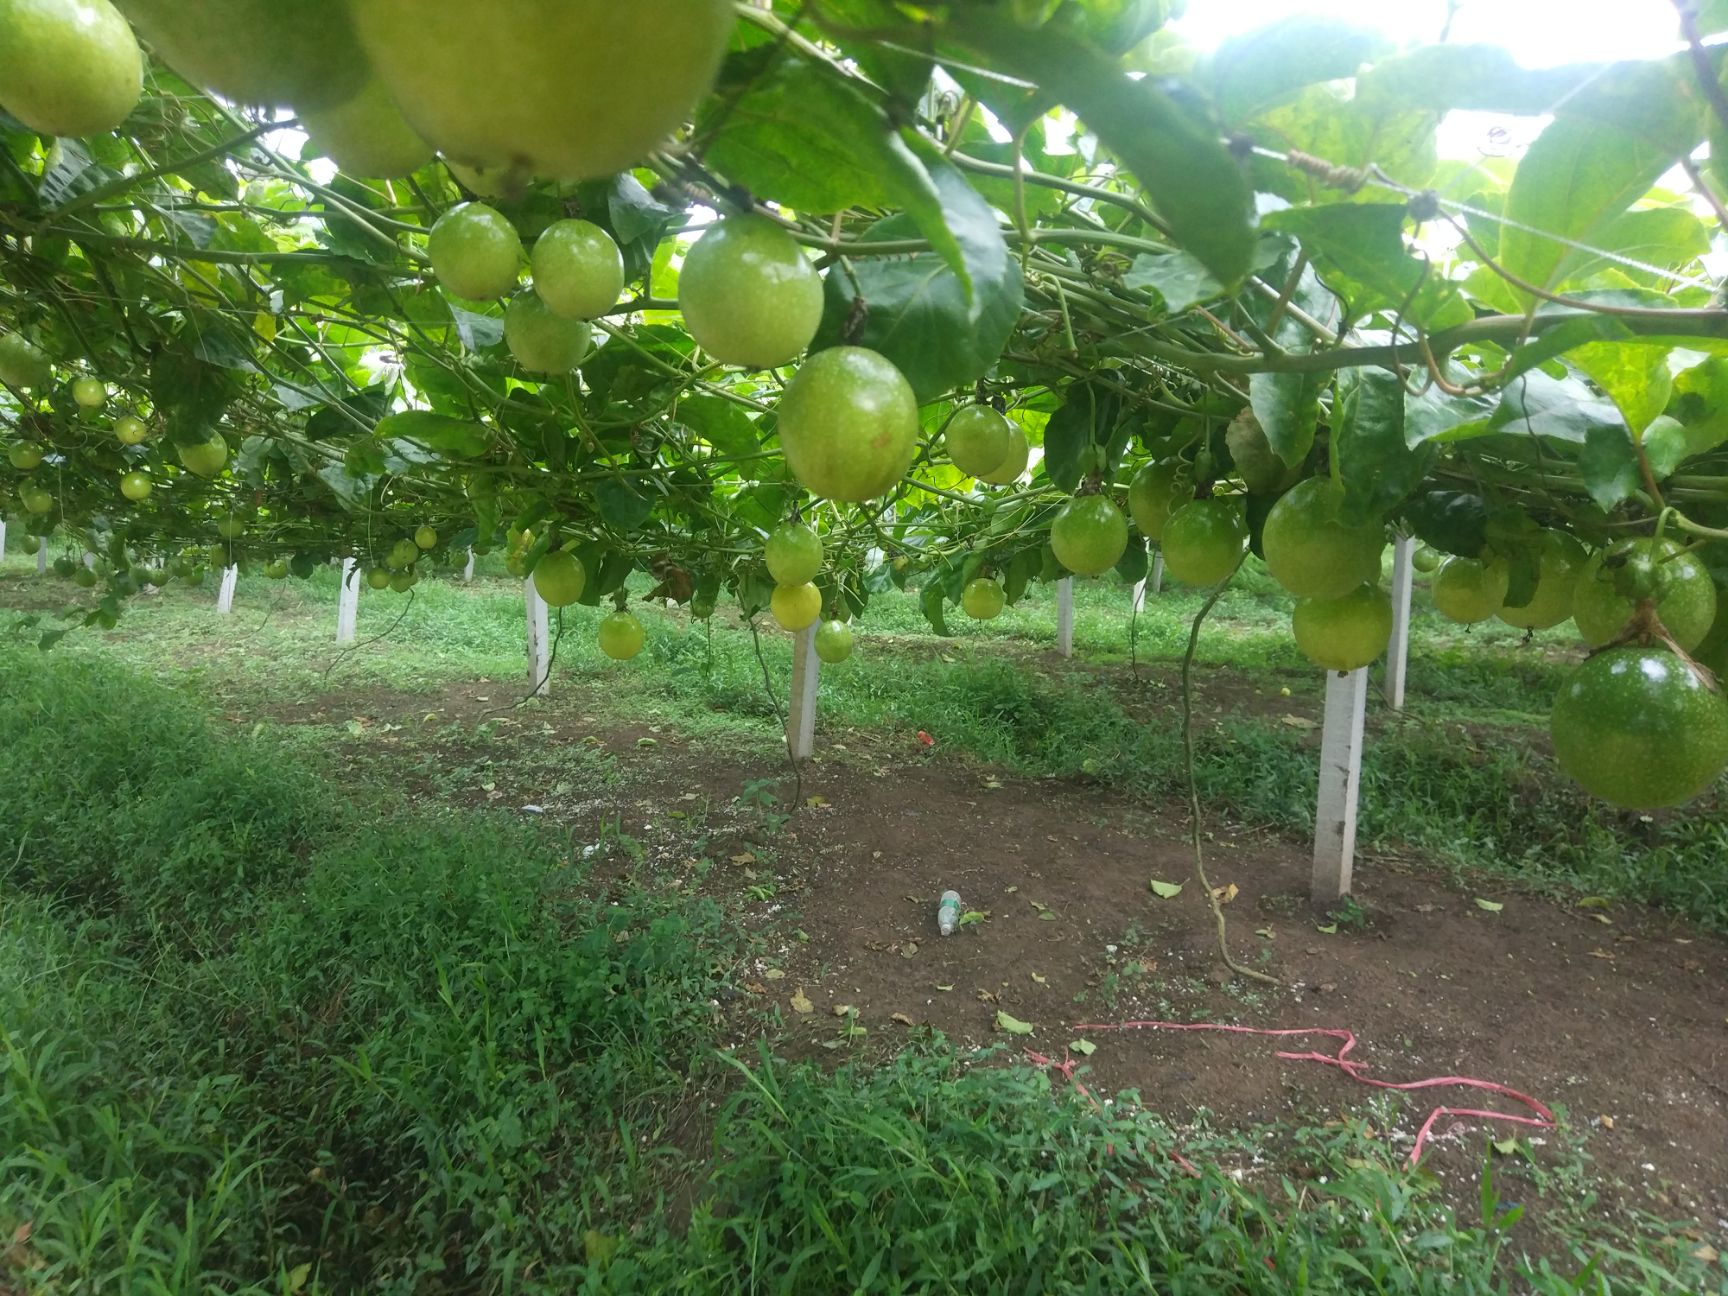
[(1065, 616), (801, 715), (1340, 781), (2, 539), (539, 641), (41, 556), (1140, 595), (468, 570), (1398, 647), (1158, 572), (225, 595), (90, 561), (348, 604)]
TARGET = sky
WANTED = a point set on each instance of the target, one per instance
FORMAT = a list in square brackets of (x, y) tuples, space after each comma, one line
[(1540, 33)]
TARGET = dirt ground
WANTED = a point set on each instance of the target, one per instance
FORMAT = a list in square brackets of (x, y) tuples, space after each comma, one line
[(1617, 1018)]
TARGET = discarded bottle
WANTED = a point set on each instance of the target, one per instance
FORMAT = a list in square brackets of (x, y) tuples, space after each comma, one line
[(948, 913)]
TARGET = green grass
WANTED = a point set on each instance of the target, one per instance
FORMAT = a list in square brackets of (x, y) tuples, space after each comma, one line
[(260, 1035), (1463, 776)]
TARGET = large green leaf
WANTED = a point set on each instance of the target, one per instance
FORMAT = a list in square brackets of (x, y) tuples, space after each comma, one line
[(1171, 145), (434, 431), (1361, 254), (919, 314), (1616, 138), (1560, 409), (1485, 78), (1378, 464), (1609, 464), (1254, 71), (1076, 436), (1345, 132), (1454, 522), (801, 135), (1635, 376)]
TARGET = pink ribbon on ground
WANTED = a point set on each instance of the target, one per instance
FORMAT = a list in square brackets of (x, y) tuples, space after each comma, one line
[(1543, 1118)]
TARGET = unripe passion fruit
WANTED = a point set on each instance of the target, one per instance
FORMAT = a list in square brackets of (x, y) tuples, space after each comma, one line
[(978, 439), (1344, 634), (1204, 540), (793, 554), (983, 599), (1089, 535), (749, 294), (1679, 582), (1312, 549)]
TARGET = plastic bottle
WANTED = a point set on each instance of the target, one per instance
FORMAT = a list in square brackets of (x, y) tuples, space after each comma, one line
[(948, 913)]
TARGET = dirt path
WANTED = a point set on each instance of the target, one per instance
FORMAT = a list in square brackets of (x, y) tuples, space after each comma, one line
[(1617, 1017)]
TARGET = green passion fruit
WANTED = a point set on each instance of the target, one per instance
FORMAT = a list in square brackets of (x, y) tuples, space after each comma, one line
[(796, 607), (848, 424), (1344, 634), (541, 341), (578, 269), (560, 578), (834, 642), (749, 295), (793, 554), (1204, 540), (1312, 549), (22, 364), (983, 599), (567, 89), (1557, 568), (1089, 535), (1157, 491), (1684, 595), (68, 67), (1639, 728), (476, 253), (1468, 590), (621, 636), (257, 51), (978, 439)]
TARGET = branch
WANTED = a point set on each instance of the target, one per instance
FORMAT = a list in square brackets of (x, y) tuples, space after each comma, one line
[(1497, 329)]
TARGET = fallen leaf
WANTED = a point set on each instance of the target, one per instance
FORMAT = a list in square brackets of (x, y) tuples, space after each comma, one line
[(902, 1018), (745, 858), (816, 802), (909, 949), (1606, 1122), (1506, 1146), (992, 783), (944, 988), (1225, 894), (1165, 890), (1040, 980), (1298, 722), (647, 742), (1489, 906), (1604, 919), (1601, 953), (775, 974), (1330, 929), (925, 739), (1047, 916), (986, 996), (1265, 933), (1707, 1253), (1013, 1025), (801, 1002), (845, 1010), (1085, 1048), (1427, 908), (755, 988)]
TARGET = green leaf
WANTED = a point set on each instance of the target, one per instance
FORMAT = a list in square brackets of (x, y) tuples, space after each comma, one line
[(1165, 890), (959, 224), (1379, 467), (434, 431), (1085, 1048), (1561, 409), (1135, 562), (1350, 133), (1453, 522), (1433, 414), (721, 423), (1251, 72), (930, 600), (1168, 141), (1075, 434), (1609, 465), (1489, 906), (1012, 1025), (1667, 445), (1617, 136), (1635, 376), (1361, 255), (1178, 278), (1288, 407), (920, 316), (801, 135), (1670, 237), (1587, 328), (1485, 78), (620, 505)]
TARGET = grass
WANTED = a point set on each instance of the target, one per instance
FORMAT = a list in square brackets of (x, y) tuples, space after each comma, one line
[(1463, 776), (262, 1035)]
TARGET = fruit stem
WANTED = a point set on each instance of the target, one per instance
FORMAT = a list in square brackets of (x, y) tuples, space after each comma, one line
[(1194, 791)]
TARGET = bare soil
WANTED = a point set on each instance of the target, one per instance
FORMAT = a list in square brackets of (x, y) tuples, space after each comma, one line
[(1617, 1018)]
